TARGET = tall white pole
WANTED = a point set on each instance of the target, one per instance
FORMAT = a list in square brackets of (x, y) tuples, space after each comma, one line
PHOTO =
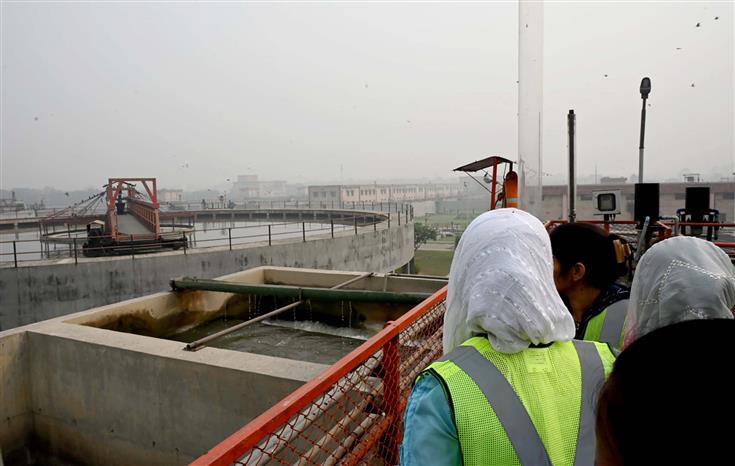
[(530, 104)]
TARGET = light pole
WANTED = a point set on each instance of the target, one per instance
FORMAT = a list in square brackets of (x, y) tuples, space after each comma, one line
[(645, 90)]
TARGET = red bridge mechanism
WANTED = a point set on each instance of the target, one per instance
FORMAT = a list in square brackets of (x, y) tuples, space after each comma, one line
[(144, 209)]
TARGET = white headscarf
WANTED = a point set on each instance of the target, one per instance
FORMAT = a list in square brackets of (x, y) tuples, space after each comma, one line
[(501, 284), (681, 278)]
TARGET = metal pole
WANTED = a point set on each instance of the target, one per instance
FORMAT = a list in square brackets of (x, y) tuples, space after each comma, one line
[(645, 89), (303, 231), (571, 122), (183, 236), (75, 252), (229, 235), (492, 188), (640, 145), (15, 255), (269, 235), (331, 222), (355, 218)]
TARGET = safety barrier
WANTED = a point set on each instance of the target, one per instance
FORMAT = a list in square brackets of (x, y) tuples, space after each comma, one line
[(19, 251), (626, 229), (352, 412), (666, 228)]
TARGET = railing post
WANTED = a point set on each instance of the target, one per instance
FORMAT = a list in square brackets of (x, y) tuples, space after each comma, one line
[(269, 235), (303, 231), (375, 224), (399, 217), (355, 218), (331, 223), (75, 252), (15, 255), (389, 220), (186, 241), (391, 398), (229, 236)]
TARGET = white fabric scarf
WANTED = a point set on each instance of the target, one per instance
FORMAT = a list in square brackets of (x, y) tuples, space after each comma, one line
[(679, 279), (501, 284)]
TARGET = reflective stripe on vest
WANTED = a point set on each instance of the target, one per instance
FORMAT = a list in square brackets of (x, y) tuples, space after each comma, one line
[(513, 415), (593, 374), (612, 328), (506, 404)]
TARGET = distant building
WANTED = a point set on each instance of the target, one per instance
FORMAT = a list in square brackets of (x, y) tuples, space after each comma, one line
[(672, 197), (613, 180), (170, 195), (248, 187), (356, 193)]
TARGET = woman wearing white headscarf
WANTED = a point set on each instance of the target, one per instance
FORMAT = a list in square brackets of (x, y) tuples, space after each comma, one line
[(512, 388), (681, 278)]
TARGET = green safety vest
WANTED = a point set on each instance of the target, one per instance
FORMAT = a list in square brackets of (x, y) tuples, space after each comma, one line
[(531, 408), (607, 326)]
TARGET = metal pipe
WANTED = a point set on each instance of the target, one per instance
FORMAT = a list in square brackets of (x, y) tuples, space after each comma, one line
[(415, 275), (193, 346), (351, 281), (286, 291), (571, 122)]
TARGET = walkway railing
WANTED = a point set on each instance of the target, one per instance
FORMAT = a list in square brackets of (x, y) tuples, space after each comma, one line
[(17, 252), (352, 412)]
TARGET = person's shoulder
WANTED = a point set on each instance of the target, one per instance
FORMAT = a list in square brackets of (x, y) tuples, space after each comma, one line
[(619, 291)]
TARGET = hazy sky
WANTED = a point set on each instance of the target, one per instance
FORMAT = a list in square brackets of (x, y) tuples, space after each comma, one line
[(197, 93)]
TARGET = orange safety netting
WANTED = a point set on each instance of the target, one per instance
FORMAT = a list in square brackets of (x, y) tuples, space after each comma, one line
[(352, 412)]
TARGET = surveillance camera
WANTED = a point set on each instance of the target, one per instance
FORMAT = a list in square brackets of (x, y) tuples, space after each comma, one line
[(487, 178)]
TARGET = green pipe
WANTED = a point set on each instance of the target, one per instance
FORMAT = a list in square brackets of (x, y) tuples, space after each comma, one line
[(286, 291)]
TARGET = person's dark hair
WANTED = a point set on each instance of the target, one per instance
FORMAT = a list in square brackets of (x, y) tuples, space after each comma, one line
[(668, 399), (590, 245)]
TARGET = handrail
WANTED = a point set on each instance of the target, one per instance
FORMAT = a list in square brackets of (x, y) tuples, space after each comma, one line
[(229, 450)]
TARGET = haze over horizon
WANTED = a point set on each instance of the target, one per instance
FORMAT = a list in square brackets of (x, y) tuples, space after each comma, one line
[(194, 94)]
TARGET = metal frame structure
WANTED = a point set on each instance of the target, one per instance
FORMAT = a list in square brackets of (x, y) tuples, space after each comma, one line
[(146, 211), (482, 164)]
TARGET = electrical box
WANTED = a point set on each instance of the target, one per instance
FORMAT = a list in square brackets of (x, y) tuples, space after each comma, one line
[(607, 202)]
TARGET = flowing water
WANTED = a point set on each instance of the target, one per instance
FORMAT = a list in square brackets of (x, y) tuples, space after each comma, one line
[(292, 339)]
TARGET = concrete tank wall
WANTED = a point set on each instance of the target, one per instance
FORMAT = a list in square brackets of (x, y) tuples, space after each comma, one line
[(73, 394), (16, 416), (39, 292)]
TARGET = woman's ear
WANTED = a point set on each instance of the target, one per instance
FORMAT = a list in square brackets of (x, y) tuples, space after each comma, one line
[(578, 271)]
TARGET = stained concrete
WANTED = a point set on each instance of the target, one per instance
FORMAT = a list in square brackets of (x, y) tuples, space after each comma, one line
[(84, 395), (37, 292), (72, 393)]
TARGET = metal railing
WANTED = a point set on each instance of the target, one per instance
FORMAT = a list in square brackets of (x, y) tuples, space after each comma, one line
[(15, 252), (353, 411)]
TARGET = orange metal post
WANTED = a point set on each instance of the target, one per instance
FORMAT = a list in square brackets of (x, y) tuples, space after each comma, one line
[(492, 187), (391, 399)]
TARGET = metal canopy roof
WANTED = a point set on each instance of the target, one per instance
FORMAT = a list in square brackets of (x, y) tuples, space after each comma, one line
[(481, 164)]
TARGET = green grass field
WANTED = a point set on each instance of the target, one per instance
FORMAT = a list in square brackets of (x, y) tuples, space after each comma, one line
[(461, 220), (433, 262)]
